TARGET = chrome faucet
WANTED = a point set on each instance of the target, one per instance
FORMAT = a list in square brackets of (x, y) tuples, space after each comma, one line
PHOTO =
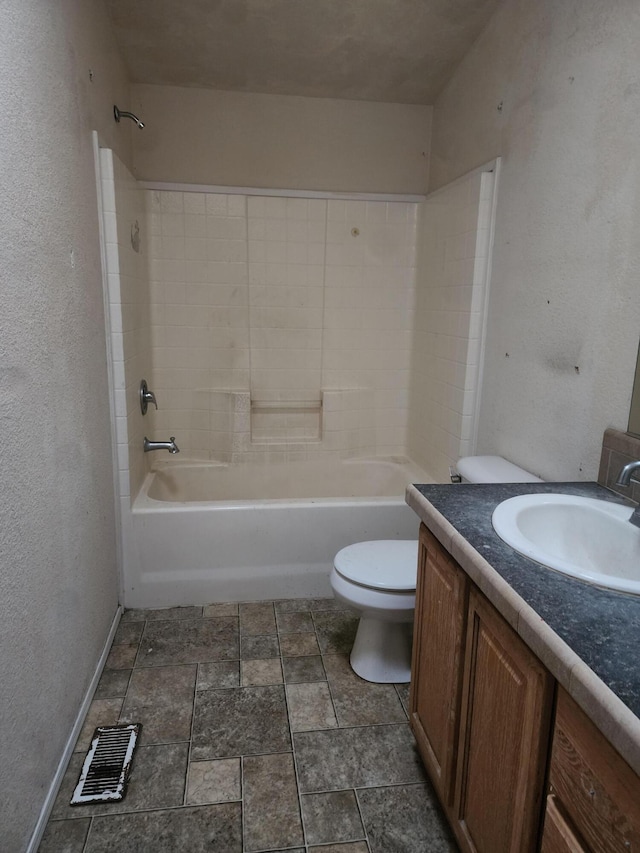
[(146, 397), (170, 445), (627, 474)]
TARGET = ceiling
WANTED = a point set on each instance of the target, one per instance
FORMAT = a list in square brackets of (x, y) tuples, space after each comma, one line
[(399, 51)]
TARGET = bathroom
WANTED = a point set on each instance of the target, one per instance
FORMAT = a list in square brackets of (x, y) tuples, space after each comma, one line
[(547, 87)]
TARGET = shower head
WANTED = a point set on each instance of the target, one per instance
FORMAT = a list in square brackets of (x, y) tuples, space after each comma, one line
[(118, 114)]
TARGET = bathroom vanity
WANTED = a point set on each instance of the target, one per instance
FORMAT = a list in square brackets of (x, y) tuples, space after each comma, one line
[(525, 688)]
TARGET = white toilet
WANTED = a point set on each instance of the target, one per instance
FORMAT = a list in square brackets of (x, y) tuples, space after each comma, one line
[(378, 578), (492, 469)]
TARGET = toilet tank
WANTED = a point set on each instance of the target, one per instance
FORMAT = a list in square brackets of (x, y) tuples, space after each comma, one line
[(492, 469)]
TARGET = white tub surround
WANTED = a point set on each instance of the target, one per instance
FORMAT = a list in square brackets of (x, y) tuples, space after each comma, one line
[(214, 532), (302, 305), (453, 268), (276, 333)]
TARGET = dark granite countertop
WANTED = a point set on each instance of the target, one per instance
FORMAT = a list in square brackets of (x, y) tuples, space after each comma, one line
[(602, 627)]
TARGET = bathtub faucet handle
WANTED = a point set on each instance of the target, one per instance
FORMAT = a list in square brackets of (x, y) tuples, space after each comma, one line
[(146, 397)]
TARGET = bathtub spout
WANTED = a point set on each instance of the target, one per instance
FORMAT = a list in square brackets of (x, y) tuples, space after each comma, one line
[(170, 445)]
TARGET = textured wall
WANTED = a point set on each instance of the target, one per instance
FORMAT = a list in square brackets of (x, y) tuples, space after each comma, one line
[(57, 541), (552, 87), (202, 136)]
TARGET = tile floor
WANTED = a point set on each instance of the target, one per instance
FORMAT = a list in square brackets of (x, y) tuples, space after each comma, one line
[(257, 736)]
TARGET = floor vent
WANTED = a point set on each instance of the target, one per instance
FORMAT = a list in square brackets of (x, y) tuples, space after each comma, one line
[(106, 769)]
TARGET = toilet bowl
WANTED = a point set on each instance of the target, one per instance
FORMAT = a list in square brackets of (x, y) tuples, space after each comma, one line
[(378, 578)]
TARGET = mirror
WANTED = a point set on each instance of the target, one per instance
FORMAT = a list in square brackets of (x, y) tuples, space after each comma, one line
[(634, 414)]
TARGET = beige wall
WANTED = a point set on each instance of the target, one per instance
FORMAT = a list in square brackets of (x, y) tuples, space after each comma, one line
[(237, 139), (57, 539), (550, 87)]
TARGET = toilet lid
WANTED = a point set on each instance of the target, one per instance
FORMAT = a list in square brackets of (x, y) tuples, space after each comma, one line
[(382, 564)]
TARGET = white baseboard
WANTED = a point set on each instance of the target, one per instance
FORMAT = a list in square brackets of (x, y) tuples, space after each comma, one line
[(52, 793)]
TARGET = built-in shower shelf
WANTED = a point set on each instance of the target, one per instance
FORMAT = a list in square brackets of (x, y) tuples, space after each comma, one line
[(277, 421)]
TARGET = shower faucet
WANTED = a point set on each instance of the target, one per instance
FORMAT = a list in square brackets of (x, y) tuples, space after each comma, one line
[(146, 397), (170, 445), (118, 114)]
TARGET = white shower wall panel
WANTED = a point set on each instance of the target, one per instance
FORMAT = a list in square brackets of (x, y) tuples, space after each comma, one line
[(452, 281), (286, 298), (125, 236)]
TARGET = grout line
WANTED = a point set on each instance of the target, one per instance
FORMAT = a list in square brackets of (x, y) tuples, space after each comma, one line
[(406, 713), (193, 717), (362, 788), (181, 807), (355, 726), (177, 808), (324, 669), (305, 844), (191, 617), (135, 660), (242, 817), (86, 838), (364, 825), (126, 689), (416, 784)]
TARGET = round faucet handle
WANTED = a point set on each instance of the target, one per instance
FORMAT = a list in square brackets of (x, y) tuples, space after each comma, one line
[(172, 438)]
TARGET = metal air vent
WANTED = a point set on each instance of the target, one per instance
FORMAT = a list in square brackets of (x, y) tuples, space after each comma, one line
[(106, 769)]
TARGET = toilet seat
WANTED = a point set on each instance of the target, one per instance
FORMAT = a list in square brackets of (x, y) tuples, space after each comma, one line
[(378, 578), (384, 564)]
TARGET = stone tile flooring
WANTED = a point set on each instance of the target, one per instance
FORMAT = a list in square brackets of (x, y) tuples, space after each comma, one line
[(257, 736)]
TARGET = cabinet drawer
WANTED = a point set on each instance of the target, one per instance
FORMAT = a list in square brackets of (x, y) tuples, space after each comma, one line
[(598, 790), (558, 837)]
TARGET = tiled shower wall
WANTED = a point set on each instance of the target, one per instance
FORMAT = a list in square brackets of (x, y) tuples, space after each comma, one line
[(128, 289), (281, 327), (452, 269)]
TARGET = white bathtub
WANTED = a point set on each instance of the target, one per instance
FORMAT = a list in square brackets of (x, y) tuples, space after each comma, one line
[(209, 532)]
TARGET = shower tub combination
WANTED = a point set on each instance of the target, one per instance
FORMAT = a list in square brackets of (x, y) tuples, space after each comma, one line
[(207, 532)]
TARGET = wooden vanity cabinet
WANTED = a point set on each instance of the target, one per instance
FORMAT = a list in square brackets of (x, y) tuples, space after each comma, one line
[(594, 796), (436, 670), (480, 710)]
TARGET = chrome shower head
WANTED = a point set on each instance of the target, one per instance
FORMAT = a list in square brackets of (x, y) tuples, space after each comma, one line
[(118, 114)]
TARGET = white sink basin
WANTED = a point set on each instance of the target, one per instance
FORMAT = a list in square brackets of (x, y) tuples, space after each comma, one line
[(583, 537)]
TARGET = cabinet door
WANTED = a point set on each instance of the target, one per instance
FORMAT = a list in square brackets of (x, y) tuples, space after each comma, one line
[(506, 710), (598, 790), (436, 680)]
